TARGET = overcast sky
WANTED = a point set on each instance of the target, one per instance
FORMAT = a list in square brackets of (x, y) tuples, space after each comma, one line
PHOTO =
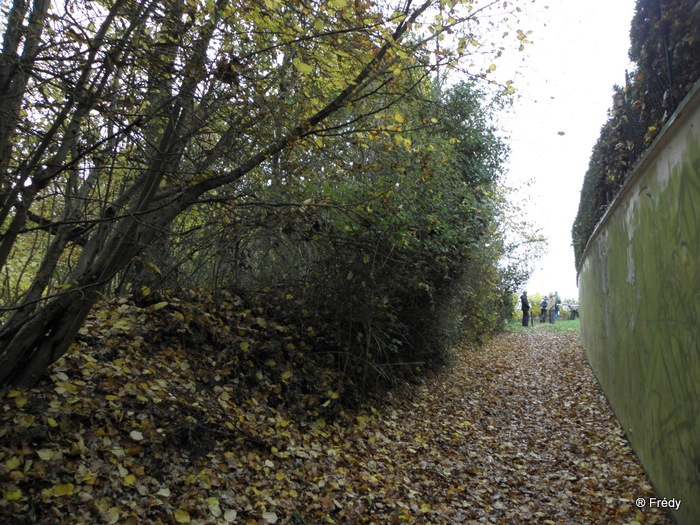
[(566, 78)]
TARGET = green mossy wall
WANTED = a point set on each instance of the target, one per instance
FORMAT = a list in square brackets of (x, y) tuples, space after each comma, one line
[(639, 286)]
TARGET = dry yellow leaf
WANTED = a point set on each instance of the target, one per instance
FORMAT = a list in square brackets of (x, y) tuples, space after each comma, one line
[(112, 515), (12, 495), (13, 463), (63, 489), (270, 517), (45, 454)]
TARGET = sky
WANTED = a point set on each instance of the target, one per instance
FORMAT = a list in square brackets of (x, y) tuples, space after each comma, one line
[(565, 79)]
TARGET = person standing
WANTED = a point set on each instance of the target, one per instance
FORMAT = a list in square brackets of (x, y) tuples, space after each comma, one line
[(557, 303), (551, 310), (543, 310), (525, 305), (574, 310)]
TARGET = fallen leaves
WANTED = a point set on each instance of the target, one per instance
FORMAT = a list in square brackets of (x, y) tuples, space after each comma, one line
[(141, 428)]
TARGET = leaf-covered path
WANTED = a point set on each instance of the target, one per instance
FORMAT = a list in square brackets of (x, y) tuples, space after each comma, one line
[(516, 432), (537, 435)]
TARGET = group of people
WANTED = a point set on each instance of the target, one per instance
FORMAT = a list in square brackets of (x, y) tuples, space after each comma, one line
[(549, 308)]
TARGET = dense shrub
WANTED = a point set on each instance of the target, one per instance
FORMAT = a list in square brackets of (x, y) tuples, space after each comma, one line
[(387, 249)]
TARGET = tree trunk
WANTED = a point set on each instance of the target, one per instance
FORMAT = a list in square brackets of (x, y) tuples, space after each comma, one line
[(44, 339)]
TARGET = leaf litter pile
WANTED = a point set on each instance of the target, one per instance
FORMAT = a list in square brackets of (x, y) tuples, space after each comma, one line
[(183, 412)]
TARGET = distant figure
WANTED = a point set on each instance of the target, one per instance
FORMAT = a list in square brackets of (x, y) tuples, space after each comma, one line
[(543, 310), (551, 303), (525, 305), (557, 303), (574, 310)]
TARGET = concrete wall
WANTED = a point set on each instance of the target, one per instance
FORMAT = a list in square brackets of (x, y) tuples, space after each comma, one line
[(639, 286)]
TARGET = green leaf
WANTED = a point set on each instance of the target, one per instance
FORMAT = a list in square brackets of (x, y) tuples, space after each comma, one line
[(303, 67)]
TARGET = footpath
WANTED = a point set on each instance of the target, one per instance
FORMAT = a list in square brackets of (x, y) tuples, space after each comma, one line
[(543, 444)]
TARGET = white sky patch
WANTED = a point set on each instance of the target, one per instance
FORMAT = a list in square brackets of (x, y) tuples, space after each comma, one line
[(579, 51)]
